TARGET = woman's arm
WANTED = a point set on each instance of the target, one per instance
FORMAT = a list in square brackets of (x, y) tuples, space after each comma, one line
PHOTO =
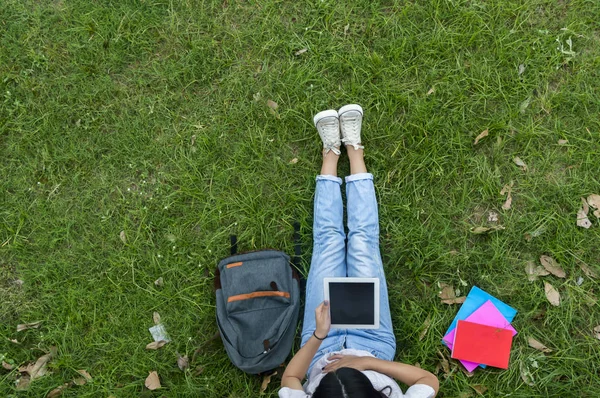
[(402, 372), (298, 366)]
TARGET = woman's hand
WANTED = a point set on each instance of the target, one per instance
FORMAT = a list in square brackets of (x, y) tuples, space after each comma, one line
[(346, 361), (323, 319)]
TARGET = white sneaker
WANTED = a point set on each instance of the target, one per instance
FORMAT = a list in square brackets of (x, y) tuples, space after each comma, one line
[(350, 125), (328, 125)]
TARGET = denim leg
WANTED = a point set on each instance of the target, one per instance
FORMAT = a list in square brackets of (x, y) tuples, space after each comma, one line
[(364, 261), (328, 258)]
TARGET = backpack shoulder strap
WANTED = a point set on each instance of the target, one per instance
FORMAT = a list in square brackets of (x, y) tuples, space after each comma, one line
[(233, 244), (297, 255)]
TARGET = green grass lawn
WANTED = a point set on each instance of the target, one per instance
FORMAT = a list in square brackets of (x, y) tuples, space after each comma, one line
[(150, 117)]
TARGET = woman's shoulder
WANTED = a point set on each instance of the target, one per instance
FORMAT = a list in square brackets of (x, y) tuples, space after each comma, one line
[(381, 381)]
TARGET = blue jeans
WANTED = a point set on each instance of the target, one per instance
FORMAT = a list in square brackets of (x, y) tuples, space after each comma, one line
[(362, 258)]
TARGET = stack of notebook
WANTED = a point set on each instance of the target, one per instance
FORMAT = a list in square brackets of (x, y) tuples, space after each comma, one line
[(481, 333)]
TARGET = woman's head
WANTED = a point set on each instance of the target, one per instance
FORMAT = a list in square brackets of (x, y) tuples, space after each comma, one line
[(346, 383)]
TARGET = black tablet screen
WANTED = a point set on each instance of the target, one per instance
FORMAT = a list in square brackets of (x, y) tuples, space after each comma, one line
[(352, 303)]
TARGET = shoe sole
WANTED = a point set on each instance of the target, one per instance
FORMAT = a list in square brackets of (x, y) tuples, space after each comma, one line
[(324, 114), (348, 108)]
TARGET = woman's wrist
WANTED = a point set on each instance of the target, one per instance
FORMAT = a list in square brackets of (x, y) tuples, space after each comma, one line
[(319, 335), (371, 363)]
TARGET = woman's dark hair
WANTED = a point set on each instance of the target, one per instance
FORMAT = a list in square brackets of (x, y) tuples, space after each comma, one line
[(347, 383)]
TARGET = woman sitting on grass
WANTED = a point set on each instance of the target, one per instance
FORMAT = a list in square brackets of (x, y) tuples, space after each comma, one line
[(347, 363)]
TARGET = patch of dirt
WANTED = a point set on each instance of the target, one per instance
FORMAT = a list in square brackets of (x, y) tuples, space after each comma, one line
[(559, 174), (12, 296), (484, 216)]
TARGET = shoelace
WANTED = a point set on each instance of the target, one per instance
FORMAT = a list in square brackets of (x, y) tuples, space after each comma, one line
[(330, 134), (351, 129)]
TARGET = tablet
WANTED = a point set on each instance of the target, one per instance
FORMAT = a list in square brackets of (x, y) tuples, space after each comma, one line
[(353, 302)]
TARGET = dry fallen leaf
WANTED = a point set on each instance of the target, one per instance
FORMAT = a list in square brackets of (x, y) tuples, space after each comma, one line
[(39, 368), (507, 188), (481, 135), (479, 388), (300, 52), (25, 326), (156, 318), (594, 201), (563, 142), (533, 343), (552, 294), (552, 266), (23, 382), (584, 206), (588, 271), (534, 272), (444, 364), (426, 325), (457, 300), (159, 282), (447, 292), (273, 108), (7, 366), (431, 90), (448, 295), (521, 69), (183, 362), (294, 161), (582, 218), (508, 191), (155, 345), (597, 332), (123, 237), (272, 104), (58, 390), (80, 381), (520, 163), (266, 381), (485, 230), (526, 374), (26, 368), (85, 374), (152, 381)]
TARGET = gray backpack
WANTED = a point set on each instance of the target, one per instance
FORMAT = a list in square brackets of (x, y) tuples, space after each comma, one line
[(258, 301)]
